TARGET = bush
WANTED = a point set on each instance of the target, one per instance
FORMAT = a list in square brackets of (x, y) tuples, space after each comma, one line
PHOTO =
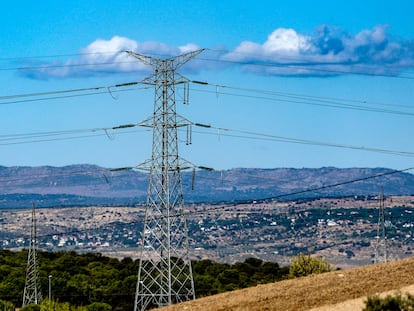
[(99, 306), (6, 305), (31, 307), (303, 265), (390, 303)]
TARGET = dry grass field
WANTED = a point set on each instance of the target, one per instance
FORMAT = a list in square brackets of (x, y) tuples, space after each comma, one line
[(334, 291)]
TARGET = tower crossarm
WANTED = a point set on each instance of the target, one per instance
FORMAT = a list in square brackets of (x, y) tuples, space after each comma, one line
[(174, 62)]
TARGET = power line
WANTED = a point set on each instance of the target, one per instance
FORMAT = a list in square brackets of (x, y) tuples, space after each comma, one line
[(338, 184), (56, 55), (330, 102), (243, 202), (275, 138), (95, 88), (297, 98), (293, 64), (65, 66), (295, 193), (64, 138), (306, 101), (294, 98), (5, 139), (106, 91), (299, 64), (299, 95), (64, 174), (37, 137)]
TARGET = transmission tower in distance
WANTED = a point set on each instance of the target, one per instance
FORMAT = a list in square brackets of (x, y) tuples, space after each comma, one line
[(381, 238), (165, 275), (32, 293)]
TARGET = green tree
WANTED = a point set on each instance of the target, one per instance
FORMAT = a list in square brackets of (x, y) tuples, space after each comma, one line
[(229, 279), (79, 280), (254, 262), (204, 285), (303, 265)]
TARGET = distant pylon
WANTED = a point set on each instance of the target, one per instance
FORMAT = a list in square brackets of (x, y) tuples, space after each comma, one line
[(32, 293), (165, 275), (381, 238)]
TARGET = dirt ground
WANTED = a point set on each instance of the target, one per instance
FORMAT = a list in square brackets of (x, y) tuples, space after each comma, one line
[(333, 291)]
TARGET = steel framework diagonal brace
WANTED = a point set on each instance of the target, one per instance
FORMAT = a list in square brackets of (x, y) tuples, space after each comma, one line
[(164, 275)]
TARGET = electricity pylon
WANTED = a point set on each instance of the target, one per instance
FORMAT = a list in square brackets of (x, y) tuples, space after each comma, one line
[(32, 293), (165, 275), (381, 238)]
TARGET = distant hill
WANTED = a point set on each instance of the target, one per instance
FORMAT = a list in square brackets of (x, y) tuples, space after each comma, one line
[(76, 185)]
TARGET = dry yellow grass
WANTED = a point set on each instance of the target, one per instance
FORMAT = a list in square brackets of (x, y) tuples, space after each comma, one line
[(315, 291), (358, 304)]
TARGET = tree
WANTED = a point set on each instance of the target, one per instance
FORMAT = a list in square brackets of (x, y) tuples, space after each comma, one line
[(80, 280), (205, 285), (229, 279), (303, 265)]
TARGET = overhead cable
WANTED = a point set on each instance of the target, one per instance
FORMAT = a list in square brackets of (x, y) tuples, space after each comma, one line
[(269, 137), (225, 207), (308, 101), (291, 63)]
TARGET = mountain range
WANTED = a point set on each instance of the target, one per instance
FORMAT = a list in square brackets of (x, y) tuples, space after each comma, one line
[(83, 184)]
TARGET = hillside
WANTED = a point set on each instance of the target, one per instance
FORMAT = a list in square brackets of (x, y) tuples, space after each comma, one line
[(311, 292), (93, 185)]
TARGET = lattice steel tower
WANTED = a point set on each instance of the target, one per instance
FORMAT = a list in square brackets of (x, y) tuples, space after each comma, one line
[(32, 293), (165, 275), (381, 238)]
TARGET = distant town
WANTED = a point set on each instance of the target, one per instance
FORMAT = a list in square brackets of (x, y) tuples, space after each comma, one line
[(343, 230)]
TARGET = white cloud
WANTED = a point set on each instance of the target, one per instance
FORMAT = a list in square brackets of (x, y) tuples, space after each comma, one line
[(106, 56), (188, 48), (286, 41), (116, 44), (285, 52), (329, 51)]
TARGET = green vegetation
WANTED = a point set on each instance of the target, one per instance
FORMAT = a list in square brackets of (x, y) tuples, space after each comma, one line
[(93, 282), (6, 306), (211, 277), (47, 305), (303, 265), (390, 303)]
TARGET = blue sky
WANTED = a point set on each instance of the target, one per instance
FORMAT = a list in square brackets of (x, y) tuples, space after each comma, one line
[(309, 71)]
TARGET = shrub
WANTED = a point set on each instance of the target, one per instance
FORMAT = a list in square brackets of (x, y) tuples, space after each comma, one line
[(303, 265), (390, 303), (99, 306), (6, 305), (31, 307)]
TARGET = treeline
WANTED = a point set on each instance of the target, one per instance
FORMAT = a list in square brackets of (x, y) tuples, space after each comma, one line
[(85, 279)]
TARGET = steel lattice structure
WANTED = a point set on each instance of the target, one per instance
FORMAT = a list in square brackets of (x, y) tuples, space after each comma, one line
[(32, 293), (165, 275), (381, 242)]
